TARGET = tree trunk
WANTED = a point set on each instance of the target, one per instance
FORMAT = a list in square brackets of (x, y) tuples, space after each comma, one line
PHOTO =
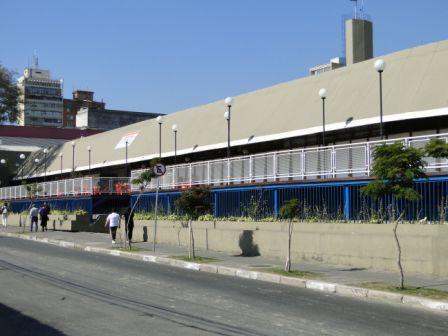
[(189, 239), (397, 242), (288, 258), (192, 240)]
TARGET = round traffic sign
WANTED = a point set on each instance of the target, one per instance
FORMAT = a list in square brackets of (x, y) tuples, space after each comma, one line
[(159, 169)]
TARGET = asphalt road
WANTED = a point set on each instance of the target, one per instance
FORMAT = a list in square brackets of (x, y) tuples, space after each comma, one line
[(48, 290)]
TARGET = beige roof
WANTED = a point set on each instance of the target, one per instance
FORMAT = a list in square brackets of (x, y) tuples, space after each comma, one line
[(415, 80)]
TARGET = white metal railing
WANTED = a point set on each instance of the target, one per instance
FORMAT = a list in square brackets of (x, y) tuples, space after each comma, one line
[(69, 187), (338, 161)]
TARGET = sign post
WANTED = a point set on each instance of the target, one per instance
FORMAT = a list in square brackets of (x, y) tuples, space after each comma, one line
[(159, 170)]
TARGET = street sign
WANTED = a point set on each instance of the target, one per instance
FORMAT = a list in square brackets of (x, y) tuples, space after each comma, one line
[(159, 169)]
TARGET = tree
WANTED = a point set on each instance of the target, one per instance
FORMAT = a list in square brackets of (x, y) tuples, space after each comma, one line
[(143, 181), (289, 211), (194, 203), (395, 167), (9, 97), (437, 148)]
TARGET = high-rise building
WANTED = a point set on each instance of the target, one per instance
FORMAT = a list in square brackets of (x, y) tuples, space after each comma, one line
[(40, 99)]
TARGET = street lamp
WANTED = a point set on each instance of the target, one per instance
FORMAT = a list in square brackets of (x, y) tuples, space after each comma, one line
[(89, 150), (45, 164), (126, 157), (228, 101), (174, 128), (22, 157), (73, 156), (160, 121), (60, 157), (323, 95), (380, 65), (2, 161), (36, 161)]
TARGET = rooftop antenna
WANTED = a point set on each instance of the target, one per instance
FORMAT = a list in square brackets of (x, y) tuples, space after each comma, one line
[(35, 60), (356, 8)]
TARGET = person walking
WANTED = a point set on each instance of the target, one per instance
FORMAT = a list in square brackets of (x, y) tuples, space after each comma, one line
[(129, 222), (44, 212), (4, 211), (34, 213), (113, 221)]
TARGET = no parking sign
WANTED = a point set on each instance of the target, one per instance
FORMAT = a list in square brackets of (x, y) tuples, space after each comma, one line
[(159, 169)]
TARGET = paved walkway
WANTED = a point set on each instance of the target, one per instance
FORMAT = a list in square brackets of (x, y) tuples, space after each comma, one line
[(329, 273)]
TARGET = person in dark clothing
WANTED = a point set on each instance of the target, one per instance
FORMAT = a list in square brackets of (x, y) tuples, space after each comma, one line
[(44, 211), (129, 222)]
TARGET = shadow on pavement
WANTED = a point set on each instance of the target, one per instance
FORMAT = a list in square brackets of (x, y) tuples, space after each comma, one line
[(14, 323)]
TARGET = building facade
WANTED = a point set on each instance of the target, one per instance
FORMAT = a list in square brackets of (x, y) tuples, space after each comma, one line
[(40, 99), (107, 119), (82, 111)]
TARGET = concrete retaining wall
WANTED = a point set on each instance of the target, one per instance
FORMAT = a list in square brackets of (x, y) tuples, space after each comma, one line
[(55, 222), (425, 247)]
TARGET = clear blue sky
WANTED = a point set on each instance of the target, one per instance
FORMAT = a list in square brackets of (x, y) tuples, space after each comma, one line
[(166, 55)]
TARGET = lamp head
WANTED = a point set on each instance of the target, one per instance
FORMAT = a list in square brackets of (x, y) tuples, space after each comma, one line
[(380, 65), (228, 101), (159, 119), (22, 156), (174, 128), (226, 115), (45, 150), (323, 93)]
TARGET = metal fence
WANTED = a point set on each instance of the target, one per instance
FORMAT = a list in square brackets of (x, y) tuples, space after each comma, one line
[(338, 161), (69, 187)]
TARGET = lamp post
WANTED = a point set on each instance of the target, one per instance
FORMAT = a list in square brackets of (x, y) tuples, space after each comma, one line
[(22, 157), (126, 159), (60, 157), (160, 121), (227, 115), (323, 95), (174, 128), (45, 164), (89, 150), (380, 65), (73, 156), (36, 161)]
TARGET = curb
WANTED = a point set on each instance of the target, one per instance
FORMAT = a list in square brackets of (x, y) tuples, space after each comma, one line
[(351, 291)]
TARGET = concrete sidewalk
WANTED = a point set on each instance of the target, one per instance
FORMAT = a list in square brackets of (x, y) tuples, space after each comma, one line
[(330, 275)]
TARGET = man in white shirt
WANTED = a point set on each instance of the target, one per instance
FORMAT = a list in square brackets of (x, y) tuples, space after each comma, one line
[(34, 213), (113, 220), (4, 211)]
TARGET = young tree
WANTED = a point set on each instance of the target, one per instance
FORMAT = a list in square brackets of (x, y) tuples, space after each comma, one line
[(9, 97), (194, 203), (143, 181), (395, 167), (289, 211)]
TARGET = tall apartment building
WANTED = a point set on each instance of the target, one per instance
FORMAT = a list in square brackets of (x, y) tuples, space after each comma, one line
[(40, 99)]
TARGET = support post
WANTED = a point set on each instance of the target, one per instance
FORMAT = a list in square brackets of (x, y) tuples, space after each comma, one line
[(275, 203), (347, 205)]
